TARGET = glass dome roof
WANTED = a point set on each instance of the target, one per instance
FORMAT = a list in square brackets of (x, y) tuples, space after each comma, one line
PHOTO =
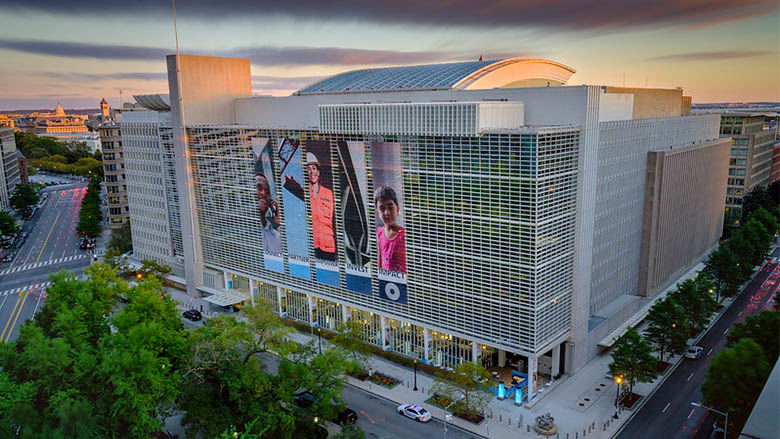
[(423, 77)]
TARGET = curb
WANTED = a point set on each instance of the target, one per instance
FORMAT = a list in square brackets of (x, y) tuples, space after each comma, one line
[(386, 399), (647, 397)]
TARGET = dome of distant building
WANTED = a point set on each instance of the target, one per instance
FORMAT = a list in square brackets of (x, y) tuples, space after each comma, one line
[(59, 111), (471, 75)]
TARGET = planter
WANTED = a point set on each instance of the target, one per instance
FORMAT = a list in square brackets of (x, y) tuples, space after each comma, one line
[(358, 376), (630, 400), (471, 417), (663, 366), (382, 380), (438, 401)]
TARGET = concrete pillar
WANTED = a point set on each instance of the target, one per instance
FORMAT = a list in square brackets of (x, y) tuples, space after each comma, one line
[(532, 366), (427, 345), (475, 352), (346, 313), (252, 288), (501, 357), (227, 278), (383, 326), (312, 307), (556, 361), (279, 293)]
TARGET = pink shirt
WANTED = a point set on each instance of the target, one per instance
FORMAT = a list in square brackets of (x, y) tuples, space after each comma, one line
[(392, 252)]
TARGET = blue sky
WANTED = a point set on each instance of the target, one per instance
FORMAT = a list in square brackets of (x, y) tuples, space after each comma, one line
[(78, 52)]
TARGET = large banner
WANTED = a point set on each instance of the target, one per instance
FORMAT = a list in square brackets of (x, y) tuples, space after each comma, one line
[(266, 203), (354, 210), (293, 202), (390, 233), (319, 169)]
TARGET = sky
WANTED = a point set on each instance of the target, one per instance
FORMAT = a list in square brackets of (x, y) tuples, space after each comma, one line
[(77, 52)]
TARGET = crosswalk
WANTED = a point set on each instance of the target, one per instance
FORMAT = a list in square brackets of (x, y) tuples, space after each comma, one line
[(43, 264), (39, 287)]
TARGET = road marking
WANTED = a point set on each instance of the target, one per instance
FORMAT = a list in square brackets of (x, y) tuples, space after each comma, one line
[(740, 314), (667, 406), (49, 235), (691, 413), (26, 295), (727, 330), (689, 378), (369, 417), (708, 353), (2, 335)]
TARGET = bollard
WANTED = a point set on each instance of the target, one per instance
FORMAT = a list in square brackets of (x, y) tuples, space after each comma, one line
[(528, 428), (594, 425), (509, 421), (576, 435), (499, 417)]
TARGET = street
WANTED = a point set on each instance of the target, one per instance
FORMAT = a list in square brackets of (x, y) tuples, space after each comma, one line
[(668, 413), (51, 246)]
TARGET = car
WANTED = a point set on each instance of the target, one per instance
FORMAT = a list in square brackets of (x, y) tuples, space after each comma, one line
[(415, 412), (19, 243), (304, 399), (193, 314), (346, 416), (9, 257), (694, 352)]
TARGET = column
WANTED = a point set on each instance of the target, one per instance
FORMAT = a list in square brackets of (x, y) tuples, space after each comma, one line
[(501, 358), (532, 366), (556, 361), (312, 310), (279, 294), (346, 313), (475, 352), (226, 278), (383, 326), (252, 287), (427, 345)]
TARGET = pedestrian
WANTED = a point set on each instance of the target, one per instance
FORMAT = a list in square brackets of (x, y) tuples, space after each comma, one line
[(370, 371), (201, 308)]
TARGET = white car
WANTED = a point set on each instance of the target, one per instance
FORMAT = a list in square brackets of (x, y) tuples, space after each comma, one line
[(694, 352), (415, 412)]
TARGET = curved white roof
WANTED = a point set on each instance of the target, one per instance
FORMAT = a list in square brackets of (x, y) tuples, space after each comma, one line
[(157, 102), (471, 75)]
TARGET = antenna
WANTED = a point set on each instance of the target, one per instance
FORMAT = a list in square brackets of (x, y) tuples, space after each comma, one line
[(175, 30)]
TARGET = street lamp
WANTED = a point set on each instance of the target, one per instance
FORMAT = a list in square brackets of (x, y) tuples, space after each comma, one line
[(415, 375), (618, 380), (726, 414), (319, 338), (446, 414)]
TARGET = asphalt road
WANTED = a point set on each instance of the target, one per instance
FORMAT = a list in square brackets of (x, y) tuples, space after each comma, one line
[(50, 247), (668, 413)]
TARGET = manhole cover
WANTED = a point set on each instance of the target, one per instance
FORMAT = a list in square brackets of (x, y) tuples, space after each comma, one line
[(582, 405), (587, 399), (598, 390)]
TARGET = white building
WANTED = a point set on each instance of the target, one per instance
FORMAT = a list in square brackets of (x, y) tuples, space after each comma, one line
[(521, 200)]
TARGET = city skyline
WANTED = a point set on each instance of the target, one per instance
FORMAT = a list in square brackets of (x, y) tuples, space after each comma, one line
[(77, 54)]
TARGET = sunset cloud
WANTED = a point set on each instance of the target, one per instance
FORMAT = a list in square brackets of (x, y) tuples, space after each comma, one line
[(713, 56)]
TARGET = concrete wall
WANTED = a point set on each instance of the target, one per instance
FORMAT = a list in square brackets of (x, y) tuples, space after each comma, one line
[(652, 102), (683, 210)]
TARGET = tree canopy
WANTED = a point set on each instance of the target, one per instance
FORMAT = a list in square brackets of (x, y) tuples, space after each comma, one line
[(667, 326), (24, 198), (763, 328), (121, 239), (8, 225), (632, 358), (464, 385)]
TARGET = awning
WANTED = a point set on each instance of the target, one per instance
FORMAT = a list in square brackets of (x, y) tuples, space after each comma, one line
[(227, 298)]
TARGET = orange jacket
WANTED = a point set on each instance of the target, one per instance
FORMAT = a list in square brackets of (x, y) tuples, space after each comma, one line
[(322, 219)]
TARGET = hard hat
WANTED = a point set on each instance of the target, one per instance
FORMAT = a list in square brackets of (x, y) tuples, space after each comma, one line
[(311, 159)]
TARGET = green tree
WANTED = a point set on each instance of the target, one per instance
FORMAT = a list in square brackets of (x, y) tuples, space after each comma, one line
[(723, 270), (632, 358), (735, 379), (697, 301), (8, 225), (90, 214), (121, 239), (757, 198), (24, 198), (37, 153), (350, 431), (355, 350), (465, 382), (151, 267), (115, 260), (667, 327), (763, 328)]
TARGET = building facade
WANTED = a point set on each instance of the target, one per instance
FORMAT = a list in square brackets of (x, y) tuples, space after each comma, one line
[(9, 166), (498, 191), (751, 158), (114, 177)]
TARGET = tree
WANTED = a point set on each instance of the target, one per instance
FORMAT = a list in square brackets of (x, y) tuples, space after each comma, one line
[(350, 431), (464, 382), (115, 260), (24, 198), (757, 198), (734, 380), (121, 239), (632, 358), (695, 298), (90, 214), (355, 350), (722, 268), (762, 328), (151, 267), (667, 326), (8, 225)]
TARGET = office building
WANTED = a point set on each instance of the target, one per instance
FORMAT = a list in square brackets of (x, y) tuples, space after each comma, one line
[(477, 211), (9, 165), (751, 158)]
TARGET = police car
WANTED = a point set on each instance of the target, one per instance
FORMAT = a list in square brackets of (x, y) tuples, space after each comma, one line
[(415, 412)]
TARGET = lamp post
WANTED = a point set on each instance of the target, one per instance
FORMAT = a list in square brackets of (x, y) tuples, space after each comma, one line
[(726, 414), (415, 375), (618, 380), (446, 414), (319, 338)]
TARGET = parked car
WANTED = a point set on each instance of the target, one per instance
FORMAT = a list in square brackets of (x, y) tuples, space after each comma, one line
[(304, 399), (347, 416), (694, 352), (19, 243), (415, 412), (9, 257), (193, 314)]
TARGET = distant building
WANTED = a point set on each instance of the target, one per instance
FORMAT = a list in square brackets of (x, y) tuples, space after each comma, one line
[(751, 157), (104, 110), (22, 161), (52, 123), (9, 165), (775, 164)]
